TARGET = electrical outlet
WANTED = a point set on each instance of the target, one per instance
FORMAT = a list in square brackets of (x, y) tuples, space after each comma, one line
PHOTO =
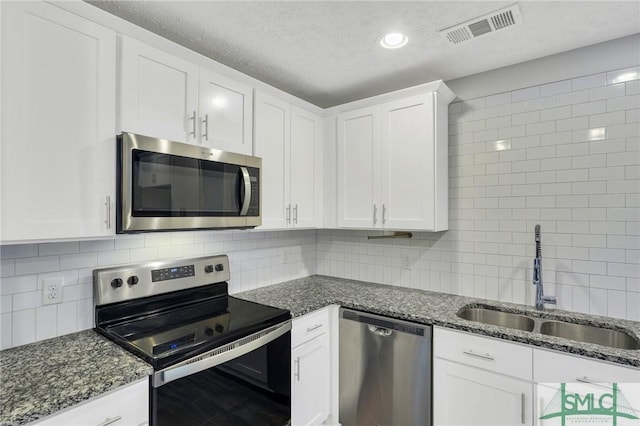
[(52, 290)]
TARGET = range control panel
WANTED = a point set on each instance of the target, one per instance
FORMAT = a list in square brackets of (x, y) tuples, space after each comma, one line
[(172, 273), (129, 282)]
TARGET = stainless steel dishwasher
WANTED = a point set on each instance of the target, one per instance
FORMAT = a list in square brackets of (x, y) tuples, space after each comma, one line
[(385, 371)]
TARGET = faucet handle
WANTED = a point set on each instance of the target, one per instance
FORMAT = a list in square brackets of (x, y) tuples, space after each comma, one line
[(552, 300)]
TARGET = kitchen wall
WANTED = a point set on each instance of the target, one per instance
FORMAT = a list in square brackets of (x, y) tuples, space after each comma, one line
[(565, 155), (256, 259)]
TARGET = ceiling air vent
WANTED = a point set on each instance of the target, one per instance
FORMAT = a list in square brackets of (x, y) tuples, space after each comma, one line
[(489, 23)]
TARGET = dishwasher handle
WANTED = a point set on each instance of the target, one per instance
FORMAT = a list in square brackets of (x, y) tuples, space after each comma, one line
[(384, 326), (380, 331)]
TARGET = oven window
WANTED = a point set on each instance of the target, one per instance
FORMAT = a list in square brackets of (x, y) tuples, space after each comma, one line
[(166, 185), (251, 390)]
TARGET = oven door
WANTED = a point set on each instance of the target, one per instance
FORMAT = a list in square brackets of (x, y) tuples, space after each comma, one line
[(167, 185), (246, 382)]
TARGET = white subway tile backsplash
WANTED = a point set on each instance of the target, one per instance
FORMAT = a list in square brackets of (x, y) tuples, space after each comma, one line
[(34, 265), (46, 322), (77, 261), (48, 249), (588, 81), (589, 108), (556, 88), (627, 74), (23, 327), (18, 284), (18, 251), (524, 94), (606, 92), (575, 123), (623, 103)]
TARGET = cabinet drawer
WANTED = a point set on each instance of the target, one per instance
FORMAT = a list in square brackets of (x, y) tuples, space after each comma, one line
[(309, 326), (483, 352), (127, 406), (553, 367)]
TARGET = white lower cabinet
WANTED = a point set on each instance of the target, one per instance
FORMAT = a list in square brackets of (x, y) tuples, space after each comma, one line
[(127, 406), (311, 369), (480, 381)]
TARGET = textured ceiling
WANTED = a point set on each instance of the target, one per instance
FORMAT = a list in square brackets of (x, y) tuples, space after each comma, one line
[(326, 52)]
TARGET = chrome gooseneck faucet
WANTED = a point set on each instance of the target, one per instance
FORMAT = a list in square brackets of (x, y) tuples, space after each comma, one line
[(541, 299)]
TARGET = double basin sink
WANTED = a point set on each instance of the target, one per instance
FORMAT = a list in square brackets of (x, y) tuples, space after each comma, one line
[(579, 332)]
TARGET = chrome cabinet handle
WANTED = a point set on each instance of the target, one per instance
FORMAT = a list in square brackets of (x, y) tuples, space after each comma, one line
[(295, 214), (380, 331), (247, 191), (296, 373), (375, 213), (597, 383), (488, 357), (205, 122), (110, 421), (384, 213), (193, 125), (315, 327), (522, 408), (289, 214), (108, 219)]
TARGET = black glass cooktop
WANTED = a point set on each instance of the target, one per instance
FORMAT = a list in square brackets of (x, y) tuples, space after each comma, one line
[(170, 328)]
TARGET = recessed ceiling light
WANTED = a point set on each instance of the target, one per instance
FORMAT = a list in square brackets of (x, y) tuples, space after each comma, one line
[(394, 40)]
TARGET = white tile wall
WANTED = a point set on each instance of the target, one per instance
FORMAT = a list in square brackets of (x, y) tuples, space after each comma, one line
[(257, 258), (565, 155)]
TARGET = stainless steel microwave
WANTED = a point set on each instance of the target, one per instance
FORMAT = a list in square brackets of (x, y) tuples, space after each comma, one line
[(167, 186)]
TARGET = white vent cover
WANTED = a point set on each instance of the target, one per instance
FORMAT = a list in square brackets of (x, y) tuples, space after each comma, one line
[(476, 27)]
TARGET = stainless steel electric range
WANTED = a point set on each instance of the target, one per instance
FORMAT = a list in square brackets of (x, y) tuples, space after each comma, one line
[(217, 359)]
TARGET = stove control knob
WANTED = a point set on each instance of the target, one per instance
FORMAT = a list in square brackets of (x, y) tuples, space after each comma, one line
[(133, 280), (219, 267), (208, 268), (208, 331), (219, 328), (116, 282)]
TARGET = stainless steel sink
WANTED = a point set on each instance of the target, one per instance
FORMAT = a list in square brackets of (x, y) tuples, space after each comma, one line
[(499, 318), (590, 334)]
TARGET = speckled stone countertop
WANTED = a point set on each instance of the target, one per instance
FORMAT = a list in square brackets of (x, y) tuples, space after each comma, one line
[(308, 294), (41, 378)]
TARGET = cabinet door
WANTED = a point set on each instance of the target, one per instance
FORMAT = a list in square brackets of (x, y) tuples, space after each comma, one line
[(128, 406), (58, 115), (310, 387), (407, 167), (358, 177), (159, 93), (225, 113), (305, 164), (464, 396), (272, 139)]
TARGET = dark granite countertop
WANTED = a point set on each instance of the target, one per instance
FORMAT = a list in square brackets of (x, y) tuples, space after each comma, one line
[(308, 294), (39, 379)]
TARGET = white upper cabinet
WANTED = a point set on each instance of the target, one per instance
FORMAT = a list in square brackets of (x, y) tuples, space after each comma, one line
[(358, 176), (225, 113), (305, 168), (59, 126), (392, 164), (158, 93), (167, 97), (289, 140)]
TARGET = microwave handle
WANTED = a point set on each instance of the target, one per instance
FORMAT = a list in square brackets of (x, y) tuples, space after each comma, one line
[(247, 191)]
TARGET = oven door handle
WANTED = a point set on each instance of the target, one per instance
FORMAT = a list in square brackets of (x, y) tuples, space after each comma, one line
[(220, 355), (246, 179)]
